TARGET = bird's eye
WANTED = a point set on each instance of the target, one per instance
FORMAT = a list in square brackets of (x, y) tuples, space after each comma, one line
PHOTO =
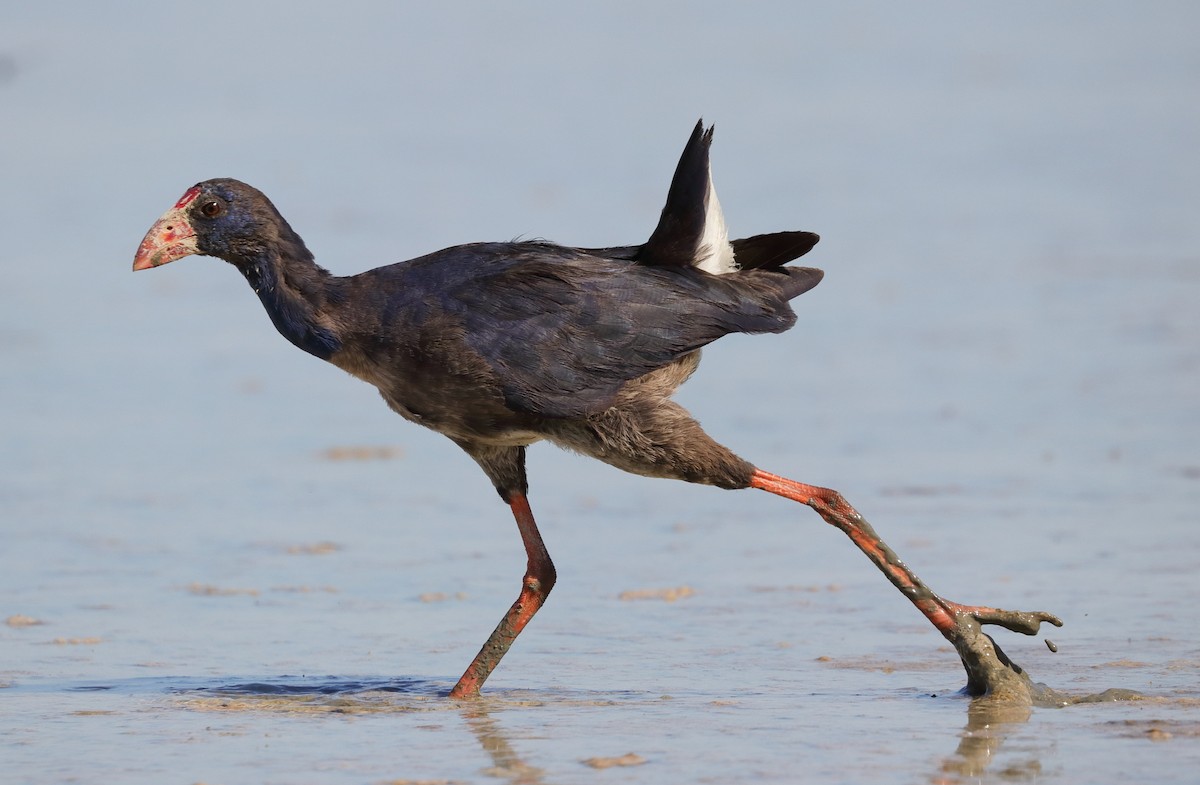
[(211, 209)]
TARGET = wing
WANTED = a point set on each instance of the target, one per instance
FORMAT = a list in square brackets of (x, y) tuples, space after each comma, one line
[(562, 331)]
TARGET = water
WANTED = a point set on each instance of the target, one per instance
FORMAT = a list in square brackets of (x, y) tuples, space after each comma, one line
[(1000, 370)]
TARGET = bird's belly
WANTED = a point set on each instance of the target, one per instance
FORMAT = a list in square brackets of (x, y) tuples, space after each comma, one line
[(469, 426), (465, 426), (459, 407)]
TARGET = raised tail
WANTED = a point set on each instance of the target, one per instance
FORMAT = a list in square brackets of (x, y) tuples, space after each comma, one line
[(691, 231)]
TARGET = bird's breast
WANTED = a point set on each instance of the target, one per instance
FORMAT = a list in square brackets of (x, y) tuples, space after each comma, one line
[(441, 396)]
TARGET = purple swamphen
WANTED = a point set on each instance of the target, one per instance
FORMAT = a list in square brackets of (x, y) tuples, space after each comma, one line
[(500, 345)]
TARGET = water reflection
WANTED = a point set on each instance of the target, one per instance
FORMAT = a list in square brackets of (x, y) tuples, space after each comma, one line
[(993, 718), (506, 764), (989, 721), (977, 751), (369, 696)]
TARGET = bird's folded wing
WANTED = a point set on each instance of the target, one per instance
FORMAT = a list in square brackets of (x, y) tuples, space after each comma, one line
[(563, 337)]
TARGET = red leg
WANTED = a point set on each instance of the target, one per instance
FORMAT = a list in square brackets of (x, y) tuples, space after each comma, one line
[(944, 614), (539, 580)]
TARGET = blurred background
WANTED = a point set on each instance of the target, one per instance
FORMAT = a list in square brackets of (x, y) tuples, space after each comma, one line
[(1001, 368)]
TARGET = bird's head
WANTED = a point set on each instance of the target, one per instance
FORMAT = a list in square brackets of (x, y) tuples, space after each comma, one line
[(223, 218)]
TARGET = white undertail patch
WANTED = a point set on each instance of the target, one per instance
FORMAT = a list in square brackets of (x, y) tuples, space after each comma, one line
[(714, 254)]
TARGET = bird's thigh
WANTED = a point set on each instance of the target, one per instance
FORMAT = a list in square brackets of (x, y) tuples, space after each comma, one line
[(660, 440)]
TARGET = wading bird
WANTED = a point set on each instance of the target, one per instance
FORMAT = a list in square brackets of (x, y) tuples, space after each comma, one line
[(500, 345)]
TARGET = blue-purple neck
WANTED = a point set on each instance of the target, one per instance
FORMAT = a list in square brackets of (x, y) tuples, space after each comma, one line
[(299, 296)]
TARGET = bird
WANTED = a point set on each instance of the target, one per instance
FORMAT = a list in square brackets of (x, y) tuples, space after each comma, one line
[(500, 345)]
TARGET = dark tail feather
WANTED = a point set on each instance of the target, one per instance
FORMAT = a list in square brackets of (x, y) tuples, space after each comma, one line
[(751, 253), (681, 224), (772, 250), (769, 252), (800, 280)]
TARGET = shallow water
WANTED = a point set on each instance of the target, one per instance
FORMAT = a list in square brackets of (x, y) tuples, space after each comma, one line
[(223, 562)]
